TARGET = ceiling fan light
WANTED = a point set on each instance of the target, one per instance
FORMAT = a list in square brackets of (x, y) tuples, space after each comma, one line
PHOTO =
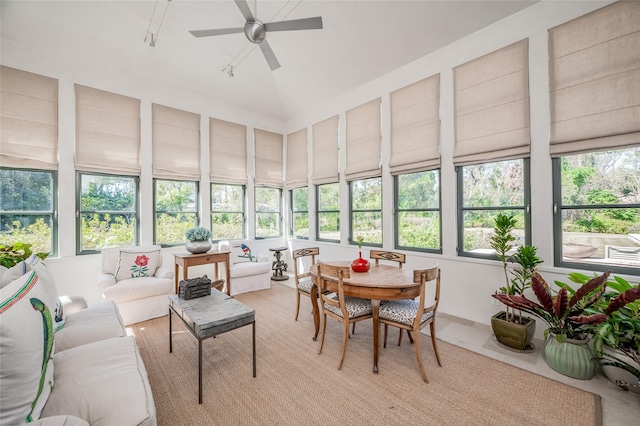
[(255, 31)]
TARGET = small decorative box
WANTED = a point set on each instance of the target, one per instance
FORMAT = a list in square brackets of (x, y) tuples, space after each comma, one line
[(195, 287)]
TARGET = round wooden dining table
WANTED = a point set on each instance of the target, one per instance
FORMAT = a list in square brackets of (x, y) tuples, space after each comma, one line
[(381, 282)]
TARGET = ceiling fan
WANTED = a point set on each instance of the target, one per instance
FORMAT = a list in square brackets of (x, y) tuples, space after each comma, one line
[(256, 30)]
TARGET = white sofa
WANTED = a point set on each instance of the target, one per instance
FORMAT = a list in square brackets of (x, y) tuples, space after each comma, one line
[(65, 368), (248, 271), (140, 298)]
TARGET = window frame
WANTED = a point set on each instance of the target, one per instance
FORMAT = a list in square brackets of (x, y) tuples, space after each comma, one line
[(243, 212), (80, 212), (54, 206), (257, 212), (397, 210), (460, 208), (352, 237), (155, 211), (293, 212), (558, 207)]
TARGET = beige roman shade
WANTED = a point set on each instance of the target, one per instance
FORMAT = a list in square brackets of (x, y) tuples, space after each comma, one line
[(228, 150), (594, 66), (297, 159), (325, 151), (28, 120), (415, 127), (268, 159), (492, 106), (363, 141), (107, 132), (176, 143)]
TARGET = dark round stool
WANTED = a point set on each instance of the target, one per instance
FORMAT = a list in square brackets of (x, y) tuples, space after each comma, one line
[(278, 265)]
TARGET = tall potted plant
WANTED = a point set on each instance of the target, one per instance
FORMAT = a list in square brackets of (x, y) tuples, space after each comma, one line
[(569, 319), (511, 329)]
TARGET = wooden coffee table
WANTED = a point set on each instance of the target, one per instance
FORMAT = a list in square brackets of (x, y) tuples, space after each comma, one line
[(209, 316)]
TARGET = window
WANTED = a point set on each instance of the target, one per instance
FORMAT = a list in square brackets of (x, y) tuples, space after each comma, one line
[(597, 210), (328, 212), (227, 211), (176, 210), (268, 212), (28, 208), (108, 214), (300, 213), (417, 219), (484, 190), (366, 210)]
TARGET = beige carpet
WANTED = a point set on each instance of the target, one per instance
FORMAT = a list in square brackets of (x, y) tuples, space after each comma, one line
[(296, 386)]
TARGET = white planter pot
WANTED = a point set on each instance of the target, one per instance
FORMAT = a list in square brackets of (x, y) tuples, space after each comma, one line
[(618, 375)]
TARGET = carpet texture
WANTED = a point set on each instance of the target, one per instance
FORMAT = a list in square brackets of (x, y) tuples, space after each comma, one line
[(295, 385)]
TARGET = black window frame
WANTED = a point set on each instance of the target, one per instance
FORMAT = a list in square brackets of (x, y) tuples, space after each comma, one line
[(155, 211), (293, 212), (257, 212), (320, 212), (243, 212), (352, 237)]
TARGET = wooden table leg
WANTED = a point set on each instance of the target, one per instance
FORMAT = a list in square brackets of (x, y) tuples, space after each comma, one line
[(375, 307), (315, 309), (176, 276)]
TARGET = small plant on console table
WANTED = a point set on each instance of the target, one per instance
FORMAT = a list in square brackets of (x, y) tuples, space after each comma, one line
[(198, 240)]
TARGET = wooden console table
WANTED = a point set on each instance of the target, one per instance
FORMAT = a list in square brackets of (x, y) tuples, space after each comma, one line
[(187, 259)]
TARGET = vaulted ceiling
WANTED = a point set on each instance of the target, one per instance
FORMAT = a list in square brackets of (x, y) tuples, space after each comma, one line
[(361, 41)]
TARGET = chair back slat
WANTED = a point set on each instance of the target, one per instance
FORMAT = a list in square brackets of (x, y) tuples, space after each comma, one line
[(378, 255), (298, 258)]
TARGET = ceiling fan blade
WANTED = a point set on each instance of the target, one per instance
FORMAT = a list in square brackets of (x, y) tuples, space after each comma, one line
[(244, 9), (215, 32), (269, 55), (296, 24)]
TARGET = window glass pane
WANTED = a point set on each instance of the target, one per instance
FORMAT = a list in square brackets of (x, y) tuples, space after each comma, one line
[(493, 184), (176, 210), (300, 199), (108, 193), (601, 209), (368, 225), (329, 226), (300, 216), (267, 225), (419, 229), (478, 228), (227, 212), (26, 208), (329, 197), (268, 214), (103, 230), (419, 190), (367, 194), (229, 198), (108, 211), (301, 225)]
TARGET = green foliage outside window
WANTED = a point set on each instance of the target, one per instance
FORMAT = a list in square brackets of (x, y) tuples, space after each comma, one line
[(366, 209), (227, 211), (176, 210), (268, 214), (300, 212), (418, 210), (328, 212)]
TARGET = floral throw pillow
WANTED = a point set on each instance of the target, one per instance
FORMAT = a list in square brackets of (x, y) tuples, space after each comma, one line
[(137, 264)]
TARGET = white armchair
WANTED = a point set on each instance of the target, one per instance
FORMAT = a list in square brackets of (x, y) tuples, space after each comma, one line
[(135, 280), (249, 272)]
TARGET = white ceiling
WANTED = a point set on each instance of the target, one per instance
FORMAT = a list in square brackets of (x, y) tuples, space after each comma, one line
[(361, 41)]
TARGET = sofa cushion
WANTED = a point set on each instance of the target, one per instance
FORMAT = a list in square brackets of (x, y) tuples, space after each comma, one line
[(26, 345), (249, 268), (11, 274), (111, 256), (241, 252), (137, 288), (60, 421), (46, 279), (99, 322), (137, 264), (105, 383)]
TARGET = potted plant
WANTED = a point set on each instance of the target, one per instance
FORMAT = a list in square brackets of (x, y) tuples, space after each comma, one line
[(569, 320), (198, 240), (511, 329), (616, 340), (11, 255)]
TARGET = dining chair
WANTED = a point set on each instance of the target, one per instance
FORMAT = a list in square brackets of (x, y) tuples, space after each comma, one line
[(344, 309), (303, 279), (413, 316), (378, 255)]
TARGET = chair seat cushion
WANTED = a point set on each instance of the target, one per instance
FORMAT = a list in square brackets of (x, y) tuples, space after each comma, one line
[(305, 284), (99, 322), (137, 288), (104, 383), (402, 311), (356, 307), (245, 269)]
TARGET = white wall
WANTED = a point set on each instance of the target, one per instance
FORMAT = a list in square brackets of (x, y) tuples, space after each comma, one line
[(467, 283)]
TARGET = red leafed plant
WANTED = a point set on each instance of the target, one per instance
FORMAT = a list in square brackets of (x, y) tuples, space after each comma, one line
[(563, 313)]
